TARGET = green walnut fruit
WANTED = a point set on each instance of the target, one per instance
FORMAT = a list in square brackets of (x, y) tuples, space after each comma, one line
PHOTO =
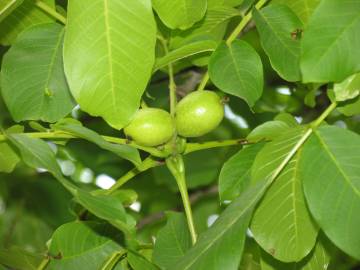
[(150, 127), (198, 113)]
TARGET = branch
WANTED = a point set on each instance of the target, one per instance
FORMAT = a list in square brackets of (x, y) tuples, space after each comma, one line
[(192, 147)]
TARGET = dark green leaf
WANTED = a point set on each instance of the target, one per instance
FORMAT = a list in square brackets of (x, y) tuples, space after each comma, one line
[(330, 171), (108, 208), (172, 241), (37, 154), (80, 131), (318, 259), (33, 83), (82, 245), (278, 26), (330, 46), (20, 259), (235, 174), (282, 224), (237, 69), (221, 246), (7, 6), (139, 262), (8, 157), (23, 17), (108, 62)]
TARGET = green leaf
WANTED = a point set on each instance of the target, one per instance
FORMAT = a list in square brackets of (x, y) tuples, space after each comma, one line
[(7, 6), (235, 174), (268, 131), (172, 241), (318, 259), (8, 157), (108, 208), (276, 23), (108, 61), (348, 89), (184, 52), (17, 258), (221, 246), (329, 48), (180, 13), (139, 262), (80, 131), (23, 17), (282, 224), (37, 154), (82, 245), (330, 171), (32, 77), (351, 108), (212, 27), (302, 8), (237, 69), (230, 3)]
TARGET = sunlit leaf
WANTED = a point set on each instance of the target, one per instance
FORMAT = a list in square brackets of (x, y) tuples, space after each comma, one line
[(108, 60), (180, 13), (302, 8)]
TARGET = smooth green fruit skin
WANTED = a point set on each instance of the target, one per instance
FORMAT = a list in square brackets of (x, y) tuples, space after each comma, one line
[(150, 127), (198, 113)]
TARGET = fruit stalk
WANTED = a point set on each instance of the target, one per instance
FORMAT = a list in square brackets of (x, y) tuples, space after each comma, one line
[(177, 168)]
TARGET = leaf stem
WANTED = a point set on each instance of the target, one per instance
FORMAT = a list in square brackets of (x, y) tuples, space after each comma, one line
[(245, 20), (148, 163), (44, 7), (112, 261), (172, 85), (177, 168), (192, 147), (322, 117), (43, 264)]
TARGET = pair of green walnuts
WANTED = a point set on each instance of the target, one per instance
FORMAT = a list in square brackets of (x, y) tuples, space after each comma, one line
[(196, 114)]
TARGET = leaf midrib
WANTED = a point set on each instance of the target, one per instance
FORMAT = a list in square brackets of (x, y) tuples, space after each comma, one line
[(51, 68), (109, 49)]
